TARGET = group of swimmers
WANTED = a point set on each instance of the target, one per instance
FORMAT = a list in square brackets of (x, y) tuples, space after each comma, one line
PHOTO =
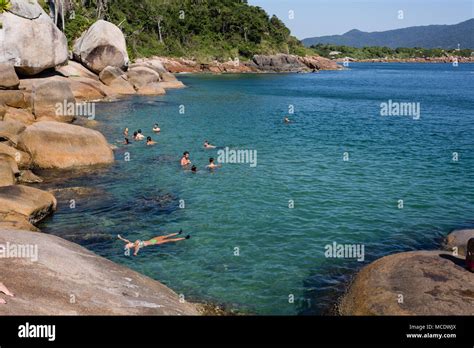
[(138, 136), (186, 162)]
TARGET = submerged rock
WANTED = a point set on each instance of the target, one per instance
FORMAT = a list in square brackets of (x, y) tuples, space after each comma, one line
[(29, 40), (102, 45), (61, 145), (63, 271), (412, 283)]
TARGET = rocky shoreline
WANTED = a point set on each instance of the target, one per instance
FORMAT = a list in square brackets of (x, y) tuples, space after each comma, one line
[(439, 60)]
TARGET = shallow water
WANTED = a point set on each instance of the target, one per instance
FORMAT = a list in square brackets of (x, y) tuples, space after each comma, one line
[(281, 249)]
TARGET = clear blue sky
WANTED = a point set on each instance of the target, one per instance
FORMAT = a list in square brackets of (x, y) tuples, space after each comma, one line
[(331, 17)]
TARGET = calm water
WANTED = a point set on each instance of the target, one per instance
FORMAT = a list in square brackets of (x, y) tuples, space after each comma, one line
[(281, 249)]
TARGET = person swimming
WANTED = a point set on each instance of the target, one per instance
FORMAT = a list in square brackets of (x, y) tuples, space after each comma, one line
[(150, 142), (7, 292), (156, 128), (286, 120), (138, 244), (126, 141), (185, 161), (139, 136), (208, 146), (194, 169), (125, 132), (212, 165)]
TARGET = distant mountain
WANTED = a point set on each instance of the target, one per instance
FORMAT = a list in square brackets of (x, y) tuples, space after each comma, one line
[(430, 36)]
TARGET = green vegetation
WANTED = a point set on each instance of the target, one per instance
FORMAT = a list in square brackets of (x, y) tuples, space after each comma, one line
[(5, 5), (375, 52), (203, 29)]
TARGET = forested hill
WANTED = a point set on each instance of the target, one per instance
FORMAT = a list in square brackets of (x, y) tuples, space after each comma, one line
[(204, 29), (429, 36)]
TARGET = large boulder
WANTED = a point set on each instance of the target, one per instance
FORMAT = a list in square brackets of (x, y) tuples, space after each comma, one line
[(319, 63), (64, 270), (142, 76), (22, 159), (412, 283), (7, 177), (15, 99), (61, 145), (10, 130), (102, 45), (27, 201), (457, 241), (29, 40), (20, 115), (116, 80), (51, 97), (151, 89), (84, 88), (279, 63), (74, 69), (8, 77)]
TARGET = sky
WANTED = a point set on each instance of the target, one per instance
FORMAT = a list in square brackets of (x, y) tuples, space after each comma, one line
[(332, 17)]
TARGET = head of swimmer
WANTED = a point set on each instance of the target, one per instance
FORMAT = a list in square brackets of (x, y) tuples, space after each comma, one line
[(186, 154)]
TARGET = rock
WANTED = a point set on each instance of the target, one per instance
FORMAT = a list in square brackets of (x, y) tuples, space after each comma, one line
[(28, 177), (61, 145), (100, 286), (459, 240), (51, 97), (10, 130), (29, 39), (151, 89), (3, 111), (279, 63), (84, 88), (16, 221), (8, 78), (74, 69), (110, 74), (102, 45), (168, 77), (171, 84), (30, 202), (10, 161), (19, 115), (116, 80), (154, 64), (319, 63), (142, 76), (15, 99), (22, 159), (431, 283), (7, 177)]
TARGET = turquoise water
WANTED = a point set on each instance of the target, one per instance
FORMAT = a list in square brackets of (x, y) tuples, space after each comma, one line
[(281, 250)]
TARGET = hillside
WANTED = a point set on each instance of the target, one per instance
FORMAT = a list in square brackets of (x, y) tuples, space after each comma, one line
[(431, 36), (203, 29)]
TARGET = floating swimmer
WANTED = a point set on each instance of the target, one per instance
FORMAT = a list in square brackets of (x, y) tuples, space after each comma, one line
[(138, 244), (150, 142), (125, 132), (126, 142), (286, 120), (208, 146), (185, 161), (7, 292), (212, 165), (156, 128), (138, 136), (194, 169)]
